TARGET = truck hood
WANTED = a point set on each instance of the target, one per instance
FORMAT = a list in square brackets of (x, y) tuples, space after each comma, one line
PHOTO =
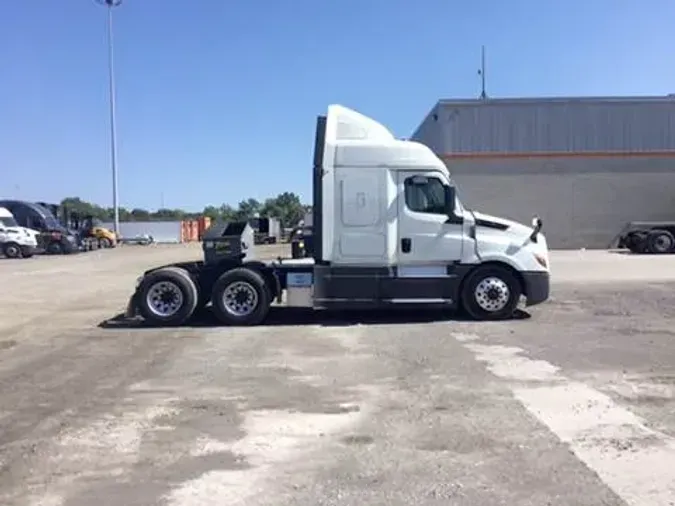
[(21, 230), (513, 227), (23, 233)]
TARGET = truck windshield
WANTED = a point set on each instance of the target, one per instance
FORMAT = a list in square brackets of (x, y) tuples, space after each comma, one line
[(8, 221), (50, 220)]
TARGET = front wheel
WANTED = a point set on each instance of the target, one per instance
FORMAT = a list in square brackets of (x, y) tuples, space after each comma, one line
[(490, 292), (240, 297), (12, 250)]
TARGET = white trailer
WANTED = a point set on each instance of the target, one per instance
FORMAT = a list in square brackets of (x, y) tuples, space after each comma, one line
[(389, 231)]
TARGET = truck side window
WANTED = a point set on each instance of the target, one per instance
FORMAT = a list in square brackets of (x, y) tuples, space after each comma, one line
[(424, 195)]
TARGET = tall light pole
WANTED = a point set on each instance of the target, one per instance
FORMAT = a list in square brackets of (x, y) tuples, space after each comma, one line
[(111, 4), (481, 73)]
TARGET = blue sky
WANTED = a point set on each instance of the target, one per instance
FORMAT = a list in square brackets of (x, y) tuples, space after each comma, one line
[(217, 98)]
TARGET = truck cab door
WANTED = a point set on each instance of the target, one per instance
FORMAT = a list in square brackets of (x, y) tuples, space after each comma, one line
[(427, 235)]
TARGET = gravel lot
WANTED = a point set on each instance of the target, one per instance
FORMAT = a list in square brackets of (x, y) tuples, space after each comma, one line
[(572, 404)]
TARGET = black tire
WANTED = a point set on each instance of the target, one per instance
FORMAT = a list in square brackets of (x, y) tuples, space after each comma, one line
[(493, 281), (636, 242), (660, 242), (55, 248), (629, 240), (12, 250), (151, 289), (255, 302), (104, 242)]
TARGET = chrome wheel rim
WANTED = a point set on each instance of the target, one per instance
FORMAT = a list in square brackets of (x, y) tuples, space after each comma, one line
[(492, 294), (164, 299), (240, 298)]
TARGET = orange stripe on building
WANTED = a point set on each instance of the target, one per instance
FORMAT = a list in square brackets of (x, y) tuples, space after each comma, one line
[(557, 154)]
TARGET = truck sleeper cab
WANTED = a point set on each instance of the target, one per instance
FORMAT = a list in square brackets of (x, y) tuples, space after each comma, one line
[(388, 231)]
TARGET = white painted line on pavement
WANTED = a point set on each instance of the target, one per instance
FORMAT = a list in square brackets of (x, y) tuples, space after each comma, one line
[(636, 462)]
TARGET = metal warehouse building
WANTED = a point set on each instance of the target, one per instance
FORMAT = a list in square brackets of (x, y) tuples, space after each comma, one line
[(587, 166)]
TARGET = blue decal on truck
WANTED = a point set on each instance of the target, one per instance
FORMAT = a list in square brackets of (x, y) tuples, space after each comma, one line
[(299, 279)]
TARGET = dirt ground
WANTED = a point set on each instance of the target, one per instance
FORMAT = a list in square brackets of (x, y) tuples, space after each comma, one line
[(571, 404)]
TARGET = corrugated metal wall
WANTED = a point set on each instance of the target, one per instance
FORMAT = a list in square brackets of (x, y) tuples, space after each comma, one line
[(584, 202), (556, 125), (161, 231), (586, 166)]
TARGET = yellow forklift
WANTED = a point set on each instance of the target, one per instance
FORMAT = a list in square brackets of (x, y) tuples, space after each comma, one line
[(91, 230)]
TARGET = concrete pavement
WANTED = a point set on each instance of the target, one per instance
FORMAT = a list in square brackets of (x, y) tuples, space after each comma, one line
[(572, 406)]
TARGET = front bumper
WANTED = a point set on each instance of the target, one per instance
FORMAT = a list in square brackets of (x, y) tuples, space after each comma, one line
[(537, 286)]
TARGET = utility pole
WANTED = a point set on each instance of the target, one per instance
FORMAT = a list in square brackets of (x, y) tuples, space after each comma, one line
[(110, 5), (481, 73)]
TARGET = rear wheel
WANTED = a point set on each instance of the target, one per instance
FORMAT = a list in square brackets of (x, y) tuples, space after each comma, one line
[(660, 242), (240, 297), (636, 242), (490, 292), (104, 242), (167, 296), (12, 250)]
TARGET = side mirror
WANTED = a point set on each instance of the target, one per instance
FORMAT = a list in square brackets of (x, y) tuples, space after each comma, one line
[(537, 224), (449, 200)]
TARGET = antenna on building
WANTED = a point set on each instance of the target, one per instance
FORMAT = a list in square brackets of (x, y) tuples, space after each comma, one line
[(481, 73)]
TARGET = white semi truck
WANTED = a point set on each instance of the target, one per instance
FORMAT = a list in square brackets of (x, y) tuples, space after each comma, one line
[(16, 241), (389, 231)]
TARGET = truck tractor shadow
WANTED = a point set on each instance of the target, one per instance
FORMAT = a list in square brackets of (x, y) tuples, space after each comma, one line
[(283, 316)]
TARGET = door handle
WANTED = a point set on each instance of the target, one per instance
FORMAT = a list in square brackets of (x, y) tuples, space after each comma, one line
[(406, 245)]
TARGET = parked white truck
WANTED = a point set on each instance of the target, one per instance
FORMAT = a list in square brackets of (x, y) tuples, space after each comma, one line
[(16, 241), (389, 231)]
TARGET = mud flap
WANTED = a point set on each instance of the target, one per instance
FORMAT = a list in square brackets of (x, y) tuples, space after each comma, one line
[(132, 306)]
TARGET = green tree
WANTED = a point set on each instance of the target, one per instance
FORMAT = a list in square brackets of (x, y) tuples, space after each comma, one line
[(288, 208), (285, 206), (76, 205), (138, 214), (212, 212), (247, 209), (227, 212), (168, 214)]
